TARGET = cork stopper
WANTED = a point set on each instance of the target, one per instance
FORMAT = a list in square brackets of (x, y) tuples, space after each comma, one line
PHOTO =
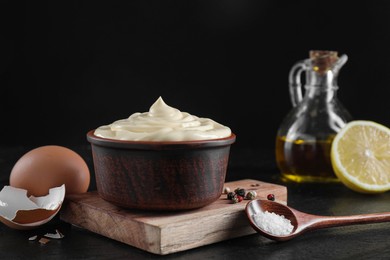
[(323, 60)]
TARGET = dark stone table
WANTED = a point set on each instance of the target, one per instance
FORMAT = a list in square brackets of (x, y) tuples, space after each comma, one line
[(369, 241)]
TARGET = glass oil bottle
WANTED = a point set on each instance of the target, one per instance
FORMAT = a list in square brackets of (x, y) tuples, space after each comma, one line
[(304, 138)]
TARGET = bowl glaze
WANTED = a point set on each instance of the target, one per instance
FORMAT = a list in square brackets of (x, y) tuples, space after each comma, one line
[(160, 175)]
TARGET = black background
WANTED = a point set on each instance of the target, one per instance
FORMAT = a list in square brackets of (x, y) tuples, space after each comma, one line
[(69, 66)]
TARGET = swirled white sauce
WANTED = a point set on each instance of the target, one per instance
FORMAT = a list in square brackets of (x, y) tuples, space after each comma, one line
[(163, 123)]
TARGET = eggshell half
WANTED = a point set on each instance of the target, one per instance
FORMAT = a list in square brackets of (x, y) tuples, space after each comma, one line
[(21, 212), (50, 166)]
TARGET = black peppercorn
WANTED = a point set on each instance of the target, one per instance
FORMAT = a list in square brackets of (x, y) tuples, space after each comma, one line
[(230, 195), (240, 192)]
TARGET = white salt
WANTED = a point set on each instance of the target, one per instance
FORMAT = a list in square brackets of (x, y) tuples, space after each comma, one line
[(273, 223)]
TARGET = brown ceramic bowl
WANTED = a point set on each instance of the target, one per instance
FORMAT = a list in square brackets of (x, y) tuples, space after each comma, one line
[(160, 175)]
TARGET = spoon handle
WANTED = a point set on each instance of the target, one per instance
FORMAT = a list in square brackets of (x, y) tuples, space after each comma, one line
[(315, 222)]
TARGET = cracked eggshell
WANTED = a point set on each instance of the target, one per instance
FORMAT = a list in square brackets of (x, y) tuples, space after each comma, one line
[(19, 211), (50, 166)]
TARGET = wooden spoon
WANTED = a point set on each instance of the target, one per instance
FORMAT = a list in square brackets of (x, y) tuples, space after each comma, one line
[(304, 222)]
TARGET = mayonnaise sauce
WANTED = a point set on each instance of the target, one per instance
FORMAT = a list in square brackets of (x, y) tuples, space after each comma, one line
[(163, 123)]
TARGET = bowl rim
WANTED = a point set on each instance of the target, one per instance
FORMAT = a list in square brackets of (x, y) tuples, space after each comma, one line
[(159, 145)]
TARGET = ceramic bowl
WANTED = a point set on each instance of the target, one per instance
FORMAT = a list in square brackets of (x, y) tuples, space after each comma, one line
[(160, 175)]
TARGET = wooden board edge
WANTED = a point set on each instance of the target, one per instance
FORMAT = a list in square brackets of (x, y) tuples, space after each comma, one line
[(140, 235)]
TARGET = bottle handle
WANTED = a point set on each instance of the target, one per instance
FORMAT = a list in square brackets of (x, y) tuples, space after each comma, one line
[(295, 85)]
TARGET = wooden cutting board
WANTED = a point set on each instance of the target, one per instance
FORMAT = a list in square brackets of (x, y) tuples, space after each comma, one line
[(168, 232)]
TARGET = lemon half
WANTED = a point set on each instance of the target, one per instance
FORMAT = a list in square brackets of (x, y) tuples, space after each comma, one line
[(360, 156)]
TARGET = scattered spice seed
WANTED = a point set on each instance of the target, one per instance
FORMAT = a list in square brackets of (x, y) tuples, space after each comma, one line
[(235, 199), (251, 195), (271, 197), (240, 192), (226, 190), (230, 195)]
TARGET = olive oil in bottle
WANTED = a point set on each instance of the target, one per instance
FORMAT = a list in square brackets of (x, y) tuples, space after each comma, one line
[(305, 161)]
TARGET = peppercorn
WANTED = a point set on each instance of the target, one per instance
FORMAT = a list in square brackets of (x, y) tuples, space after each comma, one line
[(240, 192), (230, 195), (271, 197), (240, 198), (251, 195), (226, 190), (235, 199)]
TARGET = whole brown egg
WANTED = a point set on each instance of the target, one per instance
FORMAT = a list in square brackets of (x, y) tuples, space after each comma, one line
[(48, 167)]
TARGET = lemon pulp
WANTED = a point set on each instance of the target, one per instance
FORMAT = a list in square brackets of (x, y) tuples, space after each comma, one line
[(360, 156)]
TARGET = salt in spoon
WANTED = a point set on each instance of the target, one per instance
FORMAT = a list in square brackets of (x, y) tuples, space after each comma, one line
[(303, 222)]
